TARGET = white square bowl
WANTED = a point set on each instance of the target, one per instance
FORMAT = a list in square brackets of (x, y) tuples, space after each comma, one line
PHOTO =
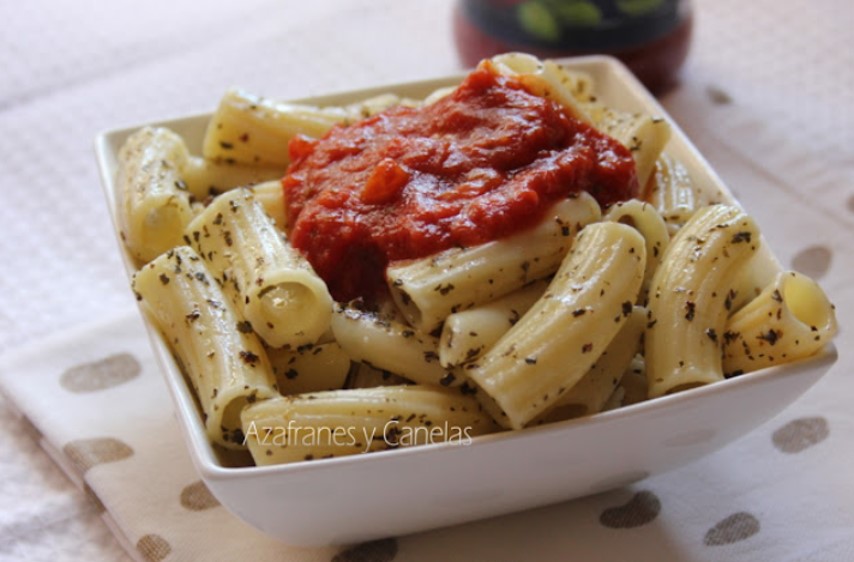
[(364, 497)]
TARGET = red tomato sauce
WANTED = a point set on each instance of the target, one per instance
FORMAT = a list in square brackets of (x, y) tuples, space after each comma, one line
[(482, 163)]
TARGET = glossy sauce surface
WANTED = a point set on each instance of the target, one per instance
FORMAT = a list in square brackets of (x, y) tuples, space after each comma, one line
[(482, 163)]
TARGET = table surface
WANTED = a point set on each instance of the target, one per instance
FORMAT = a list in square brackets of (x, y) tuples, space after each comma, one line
[(70, 70)]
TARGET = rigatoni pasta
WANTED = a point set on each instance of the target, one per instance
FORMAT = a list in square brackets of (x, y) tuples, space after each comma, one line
[(154, 203), (791, 319), (225, 364), (279, 294), (336, 423), (634, 384), (643, 217), (557, 341), (691, 295), (672, 192), (253, 130), (593, 391), (271, 197), (468, 334), (644, 135), (391, 345), (548, 79), (309, 367), (206, 179), (363, 375), (429, 289)]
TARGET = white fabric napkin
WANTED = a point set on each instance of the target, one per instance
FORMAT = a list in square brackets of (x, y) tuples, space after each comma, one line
[(97, 401)]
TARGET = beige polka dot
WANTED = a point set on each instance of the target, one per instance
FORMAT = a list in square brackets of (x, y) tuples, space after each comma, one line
[(86, 453), (718, 96), (197, 497), (813, 261), (375, 551), (643, 508), (800, 434), (737, 527), (100, 375), (153, 548)]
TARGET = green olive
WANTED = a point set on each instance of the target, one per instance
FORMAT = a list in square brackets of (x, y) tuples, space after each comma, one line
[(538, 21), (579, 13), (638, 7)]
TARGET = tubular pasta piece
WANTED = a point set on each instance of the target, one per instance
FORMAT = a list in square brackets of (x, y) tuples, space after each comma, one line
[(387, 344), (363, 375), (753, 278), (347, 422), (791, 318), (547, 79), (634, 383), (691, 295), (276, 289), (595, 388), (154, 202), (644, 135), (226, 366), (615, 400), (207, 178), (468, 334), (253, 130), (645, 219), (559, 339), (429, 289), (672, 192), (438, 94), (371, 106), (271, 196), (310, 367)]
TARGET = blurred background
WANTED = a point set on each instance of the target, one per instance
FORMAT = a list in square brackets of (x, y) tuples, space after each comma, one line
[(766, 92)]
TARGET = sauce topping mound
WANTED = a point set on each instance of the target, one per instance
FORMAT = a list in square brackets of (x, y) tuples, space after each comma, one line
[(482, 163)]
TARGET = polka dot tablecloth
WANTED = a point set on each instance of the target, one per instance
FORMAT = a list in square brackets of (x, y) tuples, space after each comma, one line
[(92, 465)]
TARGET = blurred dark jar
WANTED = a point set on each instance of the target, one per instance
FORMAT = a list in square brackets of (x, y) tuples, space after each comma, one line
[(651, 37)]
